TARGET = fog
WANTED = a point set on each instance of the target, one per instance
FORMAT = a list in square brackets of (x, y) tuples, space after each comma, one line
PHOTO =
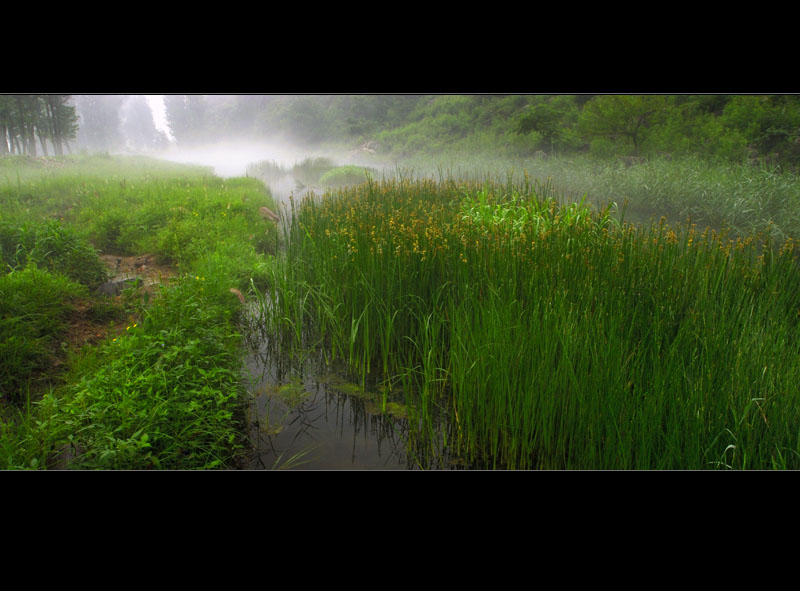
[(226, 133), (230, 158)]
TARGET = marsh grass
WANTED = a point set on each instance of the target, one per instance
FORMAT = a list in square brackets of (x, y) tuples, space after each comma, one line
[(549, 334), (308, 171), (746, 199), (517, 323)]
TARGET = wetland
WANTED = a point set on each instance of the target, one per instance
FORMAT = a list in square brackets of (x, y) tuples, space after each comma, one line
[(314, 309)]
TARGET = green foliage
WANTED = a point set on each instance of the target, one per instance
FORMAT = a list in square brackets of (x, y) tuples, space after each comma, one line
[(545, 119), (768, 123), (33, 306), (623, 116), (166, 392), (345, 175), (716, 126), (548, 334), (53, 246)]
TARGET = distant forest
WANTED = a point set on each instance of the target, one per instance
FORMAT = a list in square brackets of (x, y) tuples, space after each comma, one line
[(26, 119), (762, 128)]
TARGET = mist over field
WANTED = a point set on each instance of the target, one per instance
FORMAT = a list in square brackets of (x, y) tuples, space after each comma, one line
[(399, 282), (230, 157)]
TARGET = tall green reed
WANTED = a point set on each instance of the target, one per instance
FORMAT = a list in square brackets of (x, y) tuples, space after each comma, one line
[(550, 335)]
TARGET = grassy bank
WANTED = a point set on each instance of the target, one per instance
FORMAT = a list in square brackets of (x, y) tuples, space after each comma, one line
[(162, 389), (547, 334)]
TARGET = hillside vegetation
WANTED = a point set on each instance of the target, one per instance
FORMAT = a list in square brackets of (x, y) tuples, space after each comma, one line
[(735, 128)]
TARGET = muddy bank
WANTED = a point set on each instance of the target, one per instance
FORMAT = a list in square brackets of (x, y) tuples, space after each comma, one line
[(101, 316)]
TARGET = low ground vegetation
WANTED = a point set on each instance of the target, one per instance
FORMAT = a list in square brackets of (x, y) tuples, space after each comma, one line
[(162, 388)]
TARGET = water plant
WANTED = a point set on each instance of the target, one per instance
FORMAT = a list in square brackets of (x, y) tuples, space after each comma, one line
[(548, 333)]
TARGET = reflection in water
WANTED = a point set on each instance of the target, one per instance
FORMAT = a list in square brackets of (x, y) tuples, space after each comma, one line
[(306, 416)]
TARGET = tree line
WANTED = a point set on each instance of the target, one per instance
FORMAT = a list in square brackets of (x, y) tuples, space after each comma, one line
[(26, 119), (731, 127)]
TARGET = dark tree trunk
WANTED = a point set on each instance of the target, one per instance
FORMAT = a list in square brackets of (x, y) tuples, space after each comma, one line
[(42, 141)]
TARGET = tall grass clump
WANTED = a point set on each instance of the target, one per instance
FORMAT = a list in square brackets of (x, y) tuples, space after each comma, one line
[(53, 246), (526, 331), (34, 304), (310, 170), (746, 199)]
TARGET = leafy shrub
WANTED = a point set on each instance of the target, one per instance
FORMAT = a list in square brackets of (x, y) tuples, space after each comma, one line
[(310, 170)]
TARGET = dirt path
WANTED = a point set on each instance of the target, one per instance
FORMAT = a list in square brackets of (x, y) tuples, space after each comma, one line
[(86, 326), (142, 266)]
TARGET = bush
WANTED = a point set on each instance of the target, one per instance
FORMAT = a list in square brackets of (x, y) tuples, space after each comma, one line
[(345, 175)]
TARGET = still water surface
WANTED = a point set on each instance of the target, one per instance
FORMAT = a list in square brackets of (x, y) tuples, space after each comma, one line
[(309, 417)]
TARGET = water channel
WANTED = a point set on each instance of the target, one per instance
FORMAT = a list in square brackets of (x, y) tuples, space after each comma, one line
[(305, 414)]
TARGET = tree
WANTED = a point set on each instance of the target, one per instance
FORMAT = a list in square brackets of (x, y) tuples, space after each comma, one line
[(187, 117), (62, 121), (99, 117), (626, 116), (27, 110), (543, 119), (24, 118), (7, 125), (137, 124), (305, 120), (768, 122)]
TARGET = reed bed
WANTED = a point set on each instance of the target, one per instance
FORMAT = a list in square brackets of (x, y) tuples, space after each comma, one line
[(545, 332), (745, 198)]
